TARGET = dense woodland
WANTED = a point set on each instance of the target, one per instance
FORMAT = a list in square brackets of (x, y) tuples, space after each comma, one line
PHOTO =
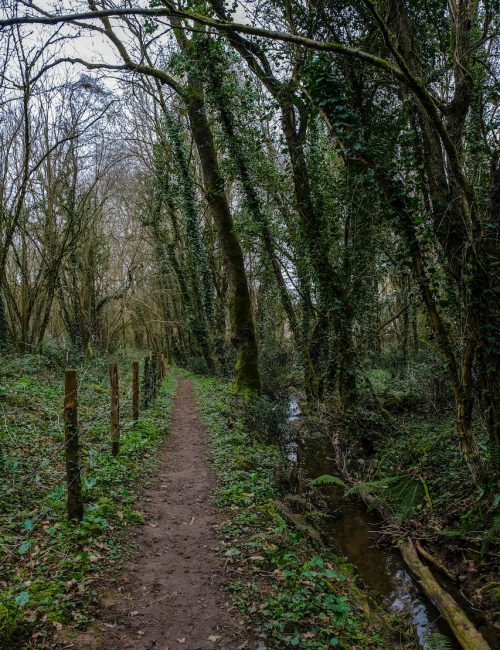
[(277, 192)]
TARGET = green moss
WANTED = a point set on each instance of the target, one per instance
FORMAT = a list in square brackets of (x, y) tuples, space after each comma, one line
[(247, 377)]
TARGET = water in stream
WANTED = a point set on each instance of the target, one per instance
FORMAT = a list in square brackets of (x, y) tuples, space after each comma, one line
[(353, 532)]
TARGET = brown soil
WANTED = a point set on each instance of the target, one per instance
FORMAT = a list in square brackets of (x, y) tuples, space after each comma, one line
[(171, 595)]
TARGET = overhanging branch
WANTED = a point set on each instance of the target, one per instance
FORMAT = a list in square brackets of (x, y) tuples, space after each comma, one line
[(220, 25)]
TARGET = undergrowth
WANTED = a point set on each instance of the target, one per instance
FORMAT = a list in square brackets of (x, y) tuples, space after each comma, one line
[(49, 568), (297, 594), (416, 474)]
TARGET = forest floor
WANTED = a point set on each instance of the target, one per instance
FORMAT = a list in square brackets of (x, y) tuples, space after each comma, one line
[(172, 590), (190, 537), (184, 541)]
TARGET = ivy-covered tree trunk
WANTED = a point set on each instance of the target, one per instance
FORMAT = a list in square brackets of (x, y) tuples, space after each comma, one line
[(4, 330), (242, 322), (469, 243), (487, 323), (460, 374), (200, 313), (223, 102), (335, 311), (334, 308)]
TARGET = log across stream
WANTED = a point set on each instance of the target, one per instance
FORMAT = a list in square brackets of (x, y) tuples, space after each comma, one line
[(354, 532)]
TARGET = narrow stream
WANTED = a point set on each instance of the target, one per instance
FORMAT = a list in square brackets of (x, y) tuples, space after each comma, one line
[(353, 532)]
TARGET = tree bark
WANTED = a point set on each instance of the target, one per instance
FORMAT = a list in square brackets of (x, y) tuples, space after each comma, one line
[(242, 322)]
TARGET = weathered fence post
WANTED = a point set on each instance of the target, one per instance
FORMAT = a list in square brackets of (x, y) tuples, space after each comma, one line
[(162, 366), (157, 363), (115, 409), (135, 391), (71, 446), (154, 374), (146, 382)]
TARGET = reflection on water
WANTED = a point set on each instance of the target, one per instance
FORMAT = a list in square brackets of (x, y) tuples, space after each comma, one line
[(294, 409), (353, 532), (293, 414), (404, 599)]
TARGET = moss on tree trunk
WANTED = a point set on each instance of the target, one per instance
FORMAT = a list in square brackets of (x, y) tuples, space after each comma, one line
[(243, 337)]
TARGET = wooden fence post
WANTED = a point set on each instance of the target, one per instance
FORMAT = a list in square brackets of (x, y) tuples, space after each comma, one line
[(135, 391), (162, 366), (115, 409), (71, 446), (146, 390), (154, 374)]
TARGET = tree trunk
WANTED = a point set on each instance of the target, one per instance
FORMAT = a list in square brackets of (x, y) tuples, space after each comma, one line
[(242, 323), (335, 308), (460, 375), (4, 330), (236, 149)]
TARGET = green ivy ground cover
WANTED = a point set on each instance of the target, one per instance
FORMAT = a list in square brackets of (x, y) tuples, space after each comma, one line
[(294, 594), (51, 571)]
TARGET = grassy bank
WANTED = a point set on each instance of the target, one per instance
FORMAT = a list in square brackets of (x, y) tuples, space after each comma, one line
[(292, 589), (50, 570)]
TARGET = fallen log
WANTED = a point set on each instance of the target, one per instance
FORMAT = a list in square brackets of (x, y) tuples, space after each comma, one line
[(462, 628), (435, 561), (298, 522), (464, 631)]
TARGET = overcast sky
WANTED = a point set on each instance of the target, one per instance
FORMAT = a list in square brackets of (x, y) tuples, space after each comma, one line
[(90, 46)]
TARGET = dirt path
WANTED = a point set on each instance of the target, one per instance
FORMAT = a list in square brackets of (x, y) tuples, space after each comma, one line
[(171, 595)]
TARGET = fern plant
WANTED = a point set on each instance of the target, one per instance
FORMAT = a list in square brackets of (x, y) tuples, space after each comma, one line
[(409, 494), (328, 479), (373, 487), (401, 493), (438, 641)]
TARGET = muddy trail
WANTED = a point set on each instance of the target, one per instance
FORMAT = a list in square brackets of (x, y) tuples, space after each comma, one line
[(171, 594)]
